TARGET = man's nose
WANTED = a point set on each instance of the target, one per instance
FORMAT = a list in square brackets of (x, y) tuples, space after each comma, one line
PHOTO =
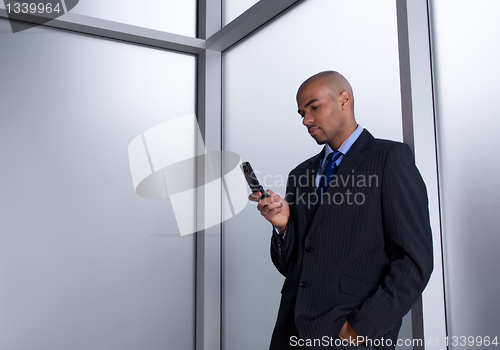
[(307, 119)]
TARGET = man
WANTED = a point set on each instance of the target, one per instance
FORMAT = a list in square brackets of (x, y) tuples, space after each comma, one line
[(353, 237)]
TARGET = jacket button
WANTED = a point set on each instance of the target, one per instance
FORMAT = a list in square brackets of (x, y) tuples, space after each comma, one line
[(304, 284), (309, 249)]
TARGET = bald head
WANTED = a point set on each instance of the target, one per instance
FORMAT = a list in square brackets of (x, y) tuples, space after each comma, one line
[(335, 82), (326, 105)]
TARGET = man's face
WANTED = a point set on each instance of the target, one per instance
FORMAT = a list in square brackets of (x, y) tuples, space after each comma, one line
[(321, 112)]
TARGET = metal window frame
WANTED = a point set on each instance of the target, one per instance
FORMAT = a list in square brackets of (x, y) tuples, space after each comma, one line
[(419, 132), (213, 39)]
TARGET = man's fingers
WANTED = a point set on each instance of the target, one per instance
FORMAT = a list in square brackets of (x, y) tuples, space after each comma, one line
[(255, 196), (271, 213), (274, 201), (273, 208), (267, 206)]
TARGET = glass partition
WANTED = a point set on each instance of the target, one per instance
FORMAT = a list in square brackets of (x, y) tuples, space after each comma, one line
[(233, 8), (261, 123), (85, 262), (172, 16), (466, 56)]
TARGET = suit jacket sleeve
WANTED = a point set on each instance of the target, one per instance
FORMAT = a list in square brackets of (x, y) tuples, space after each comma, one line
[(281, 248), (408, 239)]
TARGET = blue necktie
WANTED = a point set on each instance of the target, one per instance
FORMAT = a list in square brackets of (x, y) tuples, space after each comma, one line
[(329, 169)]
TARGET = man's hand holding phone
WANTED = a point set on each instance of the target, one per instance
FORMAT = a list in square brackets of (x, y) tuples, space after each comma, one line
[(274, 208)]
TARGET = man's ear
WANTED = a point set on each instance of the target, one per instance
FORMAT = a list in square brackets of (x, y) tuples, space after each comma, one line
[(345, 99)]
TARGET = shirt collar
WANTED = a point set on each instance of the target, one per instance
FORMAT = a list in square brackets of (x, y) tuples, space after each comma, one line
[(346, 145)]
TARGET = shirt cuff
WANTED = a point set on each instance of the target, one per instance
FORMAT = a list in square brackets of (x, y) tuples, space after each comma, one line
[(278, 232)]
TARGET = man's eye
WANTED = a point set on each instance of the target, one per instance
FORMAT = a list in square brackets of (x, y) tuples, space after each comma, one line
[(314, 107)]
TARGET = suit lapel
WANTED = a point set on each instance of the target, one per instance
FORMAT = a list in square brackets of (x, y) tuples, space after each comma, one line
[(347, 167), (305, 192), (311, 189)]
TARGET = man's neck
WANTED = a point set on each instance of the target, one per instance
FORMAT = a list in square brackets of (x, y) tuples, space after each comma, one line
[(336, 144)]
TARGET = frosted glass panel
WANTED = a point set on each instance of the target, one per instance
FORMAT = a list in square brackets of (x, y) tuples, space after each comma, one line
[(233, 8), (172, 16), (261, 123), (466, 75), (85, 262)]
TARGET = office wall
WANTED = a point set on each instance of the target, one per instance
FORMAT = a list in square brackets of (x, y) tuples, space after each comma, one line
[(466, 75), (261, 123), (86, 263)]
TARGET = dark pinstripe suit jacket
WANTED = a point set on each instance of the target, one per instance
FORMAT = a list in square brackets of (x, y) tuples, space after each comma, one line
[(365, 257)]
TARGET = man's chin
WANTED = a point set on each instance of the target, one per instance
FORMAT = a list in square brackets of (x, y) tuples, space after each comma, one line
[(319, 141), (319, 137)]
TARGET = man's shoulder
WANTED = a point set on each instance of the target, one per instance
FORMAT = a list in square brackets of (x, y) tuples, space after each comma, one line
[(307, 163), (384, 144), (366, 143), (389, 154), (388, 146)]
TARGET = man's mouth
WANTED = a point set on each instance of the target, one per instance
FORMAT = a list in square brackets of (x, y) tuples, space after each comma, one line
[(313, 130)]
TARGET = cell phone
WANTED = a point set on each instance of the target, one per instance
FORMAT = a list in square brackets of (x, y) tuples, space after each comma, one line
[(252, 180)]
